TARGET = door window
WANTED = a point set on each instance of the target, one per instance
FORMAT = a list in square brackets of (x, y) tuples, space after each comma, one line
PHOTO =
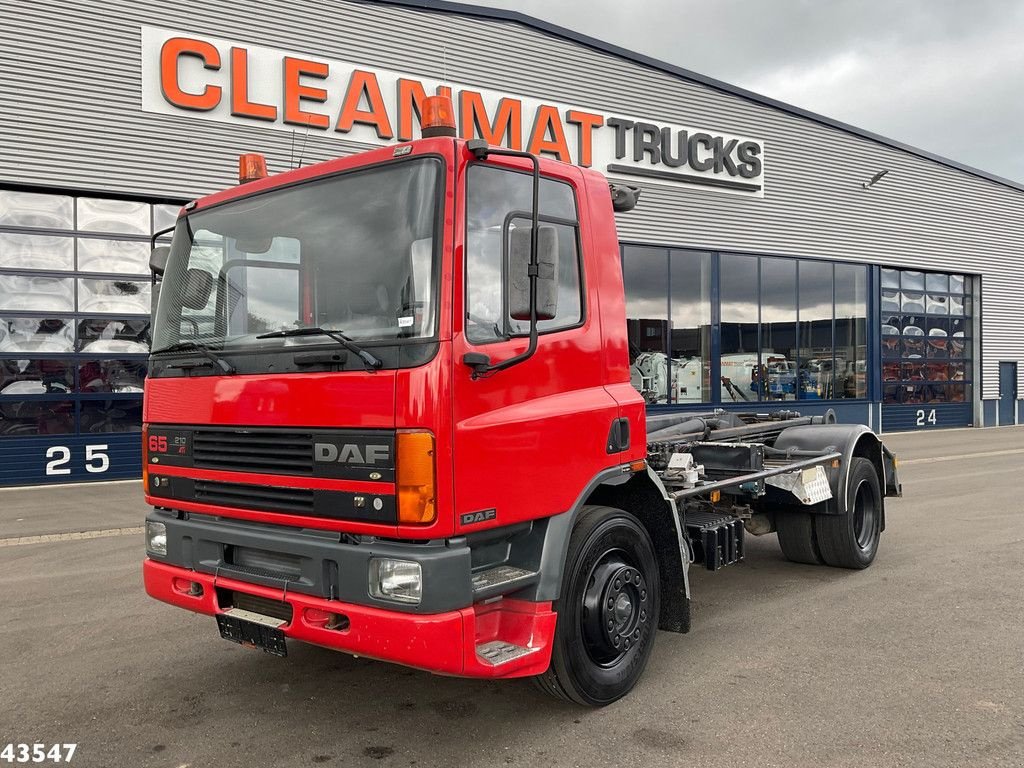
[(499, 200)]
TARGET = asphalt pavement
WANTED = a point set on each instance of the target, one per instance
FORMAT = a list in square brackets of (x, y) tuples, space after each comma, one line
[(917, 661)]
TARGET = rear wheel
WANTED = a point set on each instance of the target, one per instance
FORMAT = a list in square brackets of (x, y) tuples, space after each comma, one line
[(607, 611), (851, 540), (796, 537)]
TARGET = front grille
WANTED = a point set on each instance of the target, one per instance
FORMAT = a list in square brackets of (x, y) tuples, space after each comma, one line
[(262, 497), (311, 502), (266, 451), (264, 563)]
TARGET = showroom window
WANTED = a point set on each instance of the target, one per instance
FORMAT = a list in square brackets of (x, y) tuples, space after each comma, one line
[(740, 312), (777, 377), (851, 331), (74, 312), (668, 311), (792, 329), (926, 339), (815, 333), (789, 329)]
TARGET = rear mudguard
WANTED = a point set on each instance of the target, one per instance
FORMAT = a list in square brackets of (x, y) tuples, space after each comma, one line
[(850, 440)]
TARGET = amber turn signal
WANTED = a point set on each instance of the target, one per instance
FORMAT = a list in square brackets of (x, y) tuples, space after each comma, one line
[(415, 476), (145, 458)]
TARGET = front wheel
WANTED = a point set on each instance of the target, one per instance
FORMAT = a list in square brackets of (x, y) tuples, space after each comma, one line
[(607, 610)]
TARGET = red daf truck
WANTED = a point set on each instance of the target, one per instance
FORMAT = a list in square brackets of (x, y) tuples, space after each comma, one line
[(389, 412)]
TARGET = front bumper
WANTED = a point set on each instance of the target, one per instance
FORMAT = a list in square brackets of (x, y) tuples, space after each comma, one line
[(452, 630), (444, 643)]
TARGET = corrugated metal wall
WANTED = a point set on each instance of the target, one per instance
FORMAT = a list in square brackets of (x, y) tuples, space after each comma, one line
[(70, 116)]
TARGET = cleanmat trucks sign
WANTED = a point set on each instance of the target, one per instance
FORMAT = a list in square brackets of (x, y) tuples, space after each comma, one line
[(215, 79)]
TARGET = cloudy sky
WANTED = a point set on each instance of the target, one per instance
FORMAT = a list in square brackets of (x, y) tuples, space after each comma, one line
[(943, 75)]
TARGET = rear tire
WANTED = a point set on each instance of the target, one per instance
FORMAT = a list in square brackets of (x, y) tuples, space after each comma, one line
[(607, 611), (851, 540), (796, 537)]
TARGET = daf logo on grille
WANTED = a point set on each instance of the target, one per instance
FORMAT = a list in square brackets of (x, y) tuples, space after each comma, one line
[(350, 453)]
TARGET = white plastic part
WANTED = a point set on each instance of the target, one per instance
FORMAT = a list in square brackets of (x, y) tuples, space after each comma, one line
[(680, 461), (255, 618), (682, 471), (809, 485)]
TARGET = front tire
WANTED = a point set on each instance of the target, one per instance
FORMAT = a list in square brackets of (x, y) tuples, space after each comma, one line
[(607, 611)]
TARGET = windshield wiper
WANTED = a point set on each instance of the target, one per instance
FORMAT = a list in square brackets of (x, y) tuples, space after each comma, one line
[(202, 349), (338, 336)]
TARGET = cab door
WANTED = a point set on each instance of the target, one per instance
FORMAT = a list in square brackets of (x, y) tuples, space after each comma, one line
[(527, 439)]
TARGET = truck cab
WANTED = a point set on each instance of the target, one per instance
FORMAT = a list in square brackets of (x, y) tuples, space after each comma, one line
[(389, 485), (389, 412)]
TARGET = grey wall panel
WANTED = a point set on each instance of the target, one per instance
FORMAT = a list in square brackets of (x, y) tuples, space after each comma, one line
[(70, 94)]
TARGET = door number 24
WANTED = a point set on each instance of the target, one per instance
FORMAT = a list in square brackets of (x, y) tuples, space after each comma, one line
[(924, 418), (96, 459)]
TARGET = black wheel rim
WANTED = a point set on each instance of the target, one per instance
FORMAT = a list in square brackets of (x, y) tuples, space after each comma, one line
[(616, 608), (865, 516)]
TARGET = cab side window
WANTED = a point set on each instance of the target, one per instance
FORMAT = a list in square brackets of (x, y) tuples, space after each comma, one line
[(499, 200)]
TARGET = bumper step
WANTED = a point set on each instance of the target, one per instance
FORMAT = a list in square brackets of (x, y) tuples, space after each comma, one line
[(500, 580), (499, 652)]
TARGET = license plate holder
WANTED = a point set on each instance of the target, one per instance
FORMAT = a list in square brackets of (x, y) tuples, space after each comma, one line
[(268, 639)]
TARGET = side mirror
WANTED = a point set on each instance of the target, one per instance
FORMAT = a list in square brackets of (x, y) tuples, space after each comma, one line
[(624, 197), (158, 259), (196, 288), (254, 245), (519, 272)]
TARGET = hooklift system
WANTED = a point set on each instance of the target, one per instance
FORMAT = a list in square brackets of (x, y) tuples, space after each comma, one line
[(389, 412)]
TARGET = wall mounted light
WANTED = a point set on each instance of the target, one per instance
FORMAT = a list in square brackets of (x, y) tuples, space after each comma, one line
[(874, 179)]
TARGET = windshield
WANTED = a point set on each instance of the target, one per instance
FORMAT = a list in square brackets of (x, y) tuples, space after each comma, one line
[(354, 253)]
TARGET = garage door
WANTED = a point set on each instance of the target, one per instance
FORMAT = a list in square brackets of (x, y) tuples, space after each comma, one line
[(927, 350)]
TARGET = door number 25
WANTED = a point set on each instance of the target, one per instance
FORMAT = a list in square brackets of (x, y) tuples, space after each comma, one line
[(96, 459), (924, 418)]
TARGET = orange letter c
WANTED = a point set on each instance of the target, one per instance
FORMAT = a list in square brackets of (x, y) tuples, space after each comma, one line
[(170, 53)]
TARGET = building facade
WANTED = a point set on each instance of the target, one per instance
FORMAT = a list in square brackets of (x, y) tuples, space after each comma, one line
[(777, 258)]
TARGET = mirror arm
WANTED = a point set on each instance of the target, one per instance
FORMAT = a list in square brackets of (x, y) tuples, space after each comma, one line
[(160, 233), (481, 363), (155, 274)]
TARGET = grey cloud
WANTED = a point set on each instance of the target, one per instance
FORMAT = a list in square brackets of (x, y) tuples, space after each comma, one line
[(942, 75)]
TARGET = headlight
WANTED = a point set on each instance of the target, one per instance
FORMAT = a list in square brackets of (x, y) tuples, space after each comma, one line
[(398, 580), (156, 538)]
